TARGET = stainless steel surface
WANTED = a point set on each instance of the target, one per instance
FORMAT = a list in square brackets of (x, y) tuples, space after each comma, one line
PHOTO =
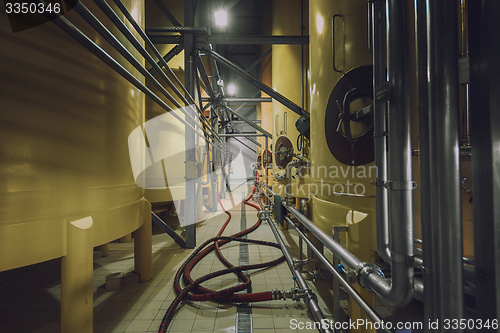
[(446, 219), (485, 134), (399, 168), (331, 268), (380, 130), (425, 185), (309, 297)]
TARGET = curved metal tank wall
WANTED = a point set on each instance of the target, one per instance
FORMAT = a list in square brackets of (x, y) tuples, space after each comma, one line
[(264, 110), (173, 139), (332, 203), (64, 124), (287, 73)]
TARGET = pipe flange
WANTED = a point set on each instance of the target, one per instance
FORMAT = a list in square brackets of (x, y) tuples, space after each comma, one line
[(364, 270), (260, 215)]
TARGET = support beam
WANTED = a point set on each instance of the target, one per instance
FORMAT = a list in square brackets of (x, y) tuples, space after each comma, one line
[(248, 138), (265, 88), (256, 62), (167, 13), (249, 122), (159, 222), (234, 39), (240, 135), (244, 144), (249, 100), (76, 278), (191, 210)]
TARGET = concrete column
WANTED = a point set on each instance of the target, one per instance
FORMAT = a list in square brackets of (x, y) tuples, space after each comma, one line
[(143, 254), (77, 278)]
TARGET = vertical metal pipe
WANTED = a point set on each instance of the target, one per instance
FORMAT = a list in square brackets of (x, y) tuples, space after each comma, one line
[(425, 184), (380, 132), (399, 168), (484, 52), (265, 165), (190, 208), (442, 69)]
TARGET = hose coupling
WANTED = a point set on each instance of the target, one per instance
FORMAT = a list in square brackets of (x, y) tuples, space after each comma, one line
[(295, 293), (275, 294), (350, 274), (260, 214), (365, 269)]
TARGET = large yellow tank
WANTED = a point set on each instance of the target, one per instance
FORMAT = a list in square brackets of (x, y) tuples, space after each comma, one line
[(288, 71), (66, 178), (65, 119), (342, 193)]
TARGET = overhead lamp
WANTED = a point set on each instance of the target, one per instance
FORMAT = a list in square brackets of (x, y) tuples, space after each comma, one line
[(221, 18), (231, 89)]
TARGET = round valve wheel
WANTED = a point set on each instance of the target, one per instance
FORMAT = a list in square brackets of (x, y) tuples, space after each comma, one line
[(259, 162), (283, 149), (348, 129), (267, 156)]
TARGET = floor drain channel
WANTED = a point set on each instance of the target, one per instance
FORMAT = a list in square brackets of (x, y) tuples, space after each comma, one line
[(244, 310)]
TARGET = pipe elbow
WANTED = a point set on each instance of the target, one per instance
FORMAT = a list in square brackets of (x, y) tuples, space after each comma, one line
[(394, 293)]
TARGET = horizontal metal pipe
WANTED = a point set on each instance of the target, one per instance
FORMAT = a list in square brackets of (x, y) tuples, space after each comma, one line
[(69, 28), (99, 27), (176, 29), (155, 51), (248, 99), (309, 297), (268, 90), (233, 39), (346, 285), (249, 122), (347, 257), (240, 135)]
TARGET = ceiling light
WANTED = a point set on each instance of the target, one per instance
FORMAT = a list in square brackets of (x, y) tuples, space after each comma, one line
[(231, 89), (221, 18)]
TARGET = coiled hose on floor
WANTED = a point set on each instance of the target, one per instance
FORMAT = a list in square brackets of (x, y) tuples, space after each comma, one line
[(194, 292)]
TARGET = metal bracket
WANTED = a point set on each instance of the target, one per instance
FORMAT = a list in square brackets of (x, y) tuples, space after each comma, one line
[(400, 185), (401, 258)]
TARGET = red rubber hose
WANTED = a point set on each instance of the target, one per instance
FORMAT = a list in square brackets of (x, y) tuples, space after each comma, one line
[(228, 294)]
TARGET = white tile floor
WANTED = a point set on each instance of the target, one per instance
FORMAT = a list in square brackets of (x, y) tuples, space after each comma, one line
[(30, 296)]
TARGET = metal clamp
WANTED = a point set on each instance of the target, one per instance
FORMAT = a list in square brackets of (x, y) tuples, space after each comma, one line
[(401, 258), (400, 185), (365, 269), (260, 214)]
